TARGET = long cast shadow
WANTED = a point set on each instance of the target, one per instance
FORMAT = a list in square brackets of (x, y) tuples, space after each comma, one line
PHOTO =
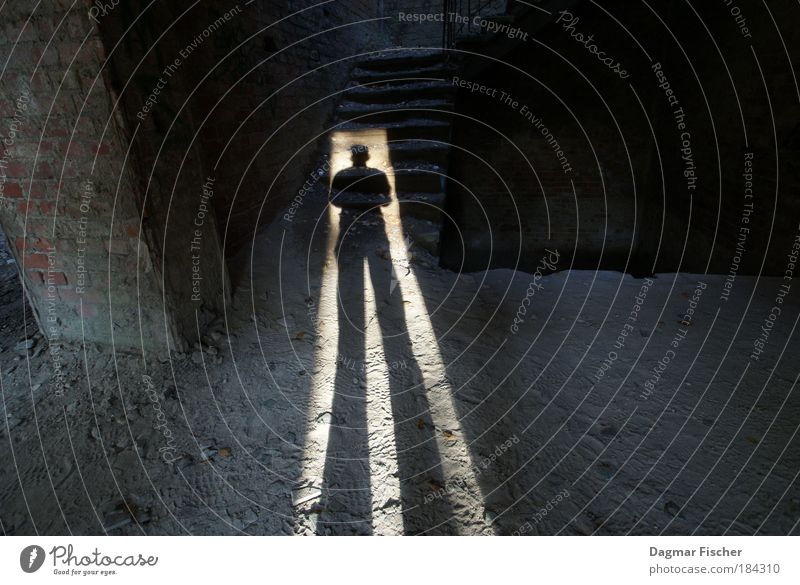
[(346, 479)]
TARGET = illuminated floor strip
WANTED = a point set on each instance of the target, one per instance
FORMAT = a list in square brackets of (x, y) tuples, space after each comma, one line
[(387, 517), (455, 459), (323, 376), (387, 513)]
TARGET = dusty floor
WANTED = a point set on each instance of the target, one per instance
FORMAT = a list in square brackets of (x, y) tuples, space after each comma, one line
[(407, 403)]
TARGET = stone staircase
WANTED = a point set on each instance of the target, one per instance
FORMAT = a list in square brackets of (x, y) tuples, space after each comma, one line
[(399, 102)]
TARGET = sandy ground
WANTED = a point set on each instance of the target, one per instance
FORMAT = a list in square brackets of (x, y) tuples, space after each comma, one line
[(355, 388)]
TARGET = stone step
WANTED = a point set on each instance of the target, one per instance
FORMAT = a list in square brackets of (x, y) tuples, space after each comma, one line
[(426, 206), (435, 108), (409, 150), (393, 59), (399, 76), (416, 128), (418, 177), (400, 92), (406, 98)]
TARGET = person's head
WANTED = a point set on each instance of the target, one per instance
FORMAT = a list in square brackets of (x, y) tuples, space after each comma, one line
[(359, 155)]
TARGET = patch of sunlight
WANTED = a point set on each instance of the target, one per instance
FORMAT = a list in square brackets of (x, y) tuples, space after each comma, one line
[(323, 382), (450, 440), (382, 449), (383, 461)]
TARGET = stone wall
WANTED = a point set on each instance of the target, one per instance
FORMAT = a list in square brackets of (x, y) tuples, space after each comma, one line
[(407, 29), (69, 200), (625, 147), (143, 146)]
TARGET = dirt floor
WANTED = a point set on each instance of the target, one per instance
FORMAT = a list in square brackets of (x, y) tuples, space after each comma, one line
[(356, 388)]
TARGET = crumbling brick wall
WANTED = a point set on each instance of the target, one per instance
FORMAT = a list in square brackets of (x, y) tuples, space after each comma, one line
[(68, 202), (125, 126)]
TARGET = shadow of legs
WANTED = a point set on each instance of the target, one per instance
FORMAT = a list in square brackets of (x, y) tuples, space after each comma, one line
[(425, 501), (346, 480)]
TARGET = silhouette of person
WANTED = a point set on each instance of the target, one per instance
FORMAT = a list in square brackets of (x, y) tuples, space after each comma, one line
[(347, 484), (360, 186)]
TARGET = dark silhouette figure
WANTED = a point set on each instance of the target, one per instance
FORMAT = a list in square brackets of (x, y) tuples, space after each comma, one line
[(346, 482), (360, 186)]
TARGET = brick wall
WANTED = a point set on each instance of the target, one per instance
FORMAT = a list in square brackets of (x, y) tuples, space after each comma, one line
[(68, 204), (111, 155), (177, 190)]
